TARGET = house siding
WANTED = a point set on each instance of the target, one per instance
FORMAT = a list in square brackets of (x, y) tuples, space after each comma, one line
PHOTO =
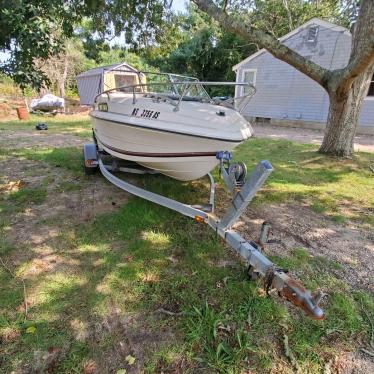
[(284, 93)]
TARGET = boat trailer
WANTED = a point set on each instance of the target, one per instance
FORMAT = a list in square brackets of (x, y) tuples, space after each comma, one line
[(243, 190)]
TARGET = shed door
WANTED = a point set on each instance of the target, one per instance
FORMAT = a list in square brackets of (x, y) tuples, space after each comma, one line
[(88, 88)]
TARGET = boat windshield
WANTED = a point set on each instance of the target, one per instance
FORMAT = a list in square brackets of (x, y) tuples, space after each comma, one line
[(168, 84), (176, 88)]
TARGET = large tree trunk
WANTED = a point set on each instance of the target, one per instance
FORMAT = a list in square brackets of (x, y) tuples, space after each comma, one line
[(347, 96), (343, 116)]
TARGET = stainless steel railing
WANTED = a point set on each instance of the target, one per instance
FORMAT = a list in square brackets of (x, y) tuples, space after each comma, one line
[(239, 103)]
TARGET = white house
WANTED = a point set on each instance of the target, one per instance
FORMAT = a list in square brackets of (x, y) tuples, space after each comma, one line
[(286, 96)]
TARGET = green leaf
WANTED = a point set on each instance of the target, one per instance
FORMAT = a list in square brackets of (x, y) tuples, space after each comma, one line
[(31, 330), (121, 371), (130, 359)]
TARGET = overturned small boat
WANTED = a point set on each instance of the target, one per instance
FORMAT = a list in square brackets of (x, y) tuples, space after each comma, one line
[(169, 123), (48, 103)]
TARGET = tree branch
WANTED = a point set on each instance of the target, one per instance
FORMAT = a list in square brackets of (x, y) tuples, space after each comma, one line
[(362, 53), (344, 77), (264, 40), (285, 4)]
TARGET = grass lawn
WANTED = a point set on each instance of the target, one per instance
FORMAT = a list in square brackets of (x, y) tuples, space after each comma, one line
[(342, 189), (72, 124), (100, 302)]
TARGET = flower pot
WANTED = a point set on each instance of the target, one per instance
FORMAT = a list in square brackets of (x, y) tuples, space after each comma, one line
[(22, 113)]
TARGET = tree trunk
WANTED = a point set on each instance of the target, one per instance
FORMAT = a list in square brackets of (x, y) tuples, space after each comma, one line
[(347, 96), (341, 125), (62, 81), (343, 116), (285, 4), (61, 88)]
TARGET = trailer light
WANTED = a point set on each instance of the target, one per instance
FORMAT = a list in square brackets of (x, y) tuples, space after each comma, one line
[(88, 163), (199, 219)]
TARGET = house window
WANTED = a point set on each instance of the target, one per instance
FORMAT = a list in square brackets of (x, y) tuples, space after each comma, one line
[(371, 88), (312, 34), (249, 76)]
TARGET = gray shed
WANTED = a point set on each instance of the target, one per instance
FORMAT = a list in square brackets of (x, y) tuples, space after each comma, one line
[(286, 96), (92, 82)]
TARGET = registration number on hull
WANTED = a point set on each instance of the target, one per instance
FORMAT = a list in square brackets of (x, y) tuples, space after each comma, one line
[(145, 113)]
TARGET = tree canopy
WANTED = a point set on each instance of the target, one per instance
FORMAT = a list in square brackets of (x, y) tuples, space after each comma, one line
[(196, 44), (189, 44), (38, 29)]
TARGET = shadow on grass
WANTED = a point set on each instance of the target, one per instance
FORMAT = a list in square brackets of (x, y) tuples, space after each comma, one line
[(334, 186), (70, 158), (143, 258)]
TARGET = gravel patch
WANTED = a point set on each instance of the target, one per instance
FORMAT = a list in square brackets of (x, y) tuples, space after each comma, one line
[(363, 143)]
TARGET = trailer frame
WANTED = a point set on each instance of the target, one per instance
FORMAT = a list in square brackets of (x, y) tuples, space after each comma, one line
[(243, 190)]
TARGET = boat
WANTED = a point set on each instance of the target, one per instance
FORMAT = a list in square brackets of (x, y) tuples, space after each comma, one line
[(178, 130), (169, 123)]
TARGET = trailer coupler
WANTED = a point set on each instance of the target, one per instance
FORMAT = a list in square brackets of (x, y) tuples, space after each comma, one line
[(274, 278), (259, 264)]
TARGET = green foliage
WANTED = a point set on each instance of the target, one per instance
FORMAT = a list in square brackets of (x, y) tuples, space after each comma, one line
[(117, 54), (37, 30), (193, 44), (32, 30), (203, 50), (8, 88), (189, 43), (278, 17)]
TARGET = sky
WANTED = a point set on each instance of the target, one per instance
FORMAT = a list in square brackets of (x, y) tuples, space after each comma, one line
[(179, 5), (3, 56)]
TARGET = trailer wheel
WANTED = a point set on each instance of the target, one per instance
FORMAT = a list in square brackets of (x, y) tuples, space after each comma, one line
[(89, 158), (239, 171), (89, 170)]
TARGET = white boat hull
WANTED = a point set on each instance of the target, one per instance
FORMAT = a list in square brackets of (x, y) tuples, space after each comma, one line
[(163, 145)]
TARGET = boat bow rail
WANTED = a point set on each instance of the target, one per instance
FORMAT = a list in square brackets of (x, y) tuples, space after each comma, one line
[(258, 264), (175, 97)]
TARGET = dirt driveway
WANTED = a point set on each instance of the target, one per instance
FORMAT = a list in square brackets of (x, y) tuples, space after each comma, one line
[(363, 143)]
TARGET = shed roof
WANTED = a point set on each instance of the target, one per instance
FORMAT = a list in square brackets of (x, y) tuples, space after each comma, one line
[(313, 21), (100, 69)]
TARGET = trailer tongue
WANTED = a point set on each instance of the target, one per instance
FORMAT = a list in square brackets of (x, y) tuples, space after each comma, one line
[(243, 190)]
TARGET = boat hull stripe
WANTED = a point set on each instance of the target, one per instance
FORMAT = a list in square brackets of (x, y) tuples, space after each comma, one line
[(142, 154)]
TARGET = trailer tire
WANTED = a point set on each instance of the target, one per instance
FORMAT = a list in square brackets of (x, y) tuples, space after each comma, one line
[(89, 170), (239, 171)]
